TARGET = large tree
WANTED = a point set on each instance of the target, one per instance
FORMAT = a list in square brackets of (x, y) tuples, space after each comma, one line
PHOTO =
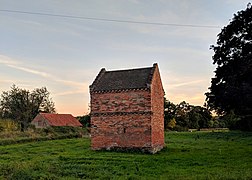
[(22, 105), (231, 88)]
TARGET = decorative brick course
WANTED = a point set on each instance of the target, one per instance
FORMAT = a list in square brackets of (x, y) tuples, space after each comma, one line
[(130, 118)]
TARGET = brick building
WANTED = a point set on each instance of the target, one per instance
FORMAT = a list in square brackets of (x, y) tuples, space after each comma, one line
[(43, 120), (127, 110)]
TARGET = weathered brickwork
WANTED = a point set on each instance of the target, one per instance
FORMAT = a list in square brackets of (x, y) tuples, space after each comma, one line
[(138, 100), (127, 118), (132, 130)]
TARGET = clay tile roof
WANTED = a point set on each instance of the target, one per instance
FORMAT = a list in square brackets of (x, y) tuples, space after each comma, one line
[(61, 119), (123, 79)]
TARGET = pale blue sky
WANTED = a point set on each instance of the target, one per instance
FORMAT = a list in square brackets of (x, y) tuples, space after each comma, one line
[(65, 54)]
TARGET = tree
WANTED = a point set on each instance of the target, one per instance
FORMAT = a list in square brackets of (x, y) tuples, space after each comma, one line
[(22, 105), (171, 124), (85, 120), (230, 120), (169, 112), (183, 116), (194, 118), (181, 113), (200, 117), (231, 88)]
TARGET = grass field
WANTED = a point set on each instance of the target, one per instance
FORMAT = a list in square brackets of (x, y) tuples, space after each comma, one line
[(188, 155)]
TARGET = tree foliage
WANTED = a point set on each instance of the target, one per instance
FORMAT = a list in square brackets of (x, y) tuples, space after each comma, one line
[(169, 112), (22, 105), (231, 88), (183, 116), (172, 123), (85, 120)]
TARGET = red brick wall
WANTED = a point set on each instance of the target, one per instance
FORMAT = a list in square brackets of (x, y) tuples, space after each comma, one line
[(157, 100), (121, 119), (129, 119), (129, 101), (123, 131)]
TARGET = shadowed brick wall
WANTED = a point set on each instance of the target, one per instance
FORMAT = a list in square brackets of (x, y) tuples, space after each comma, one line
[(157, 102)]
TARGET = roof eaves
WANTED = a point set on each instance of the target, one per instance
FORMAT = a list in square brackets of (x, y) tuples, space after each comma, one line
[(119, 90)]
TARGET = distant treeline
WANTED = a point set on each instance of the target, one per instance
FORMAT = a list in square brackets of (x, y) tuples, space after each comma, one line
[(183, 116)]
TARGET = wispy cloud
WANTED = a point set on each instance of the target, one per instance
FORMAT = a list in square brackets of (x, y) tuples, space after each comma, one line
[(158, 49), (79, 91), (7, 60), (28, 70), (78, 87), (195, 99), (186, 83), (6, 81)]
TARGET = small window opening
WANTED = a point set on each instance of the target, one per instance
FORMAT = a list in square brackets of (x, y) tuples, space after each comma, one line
[(124, 130)]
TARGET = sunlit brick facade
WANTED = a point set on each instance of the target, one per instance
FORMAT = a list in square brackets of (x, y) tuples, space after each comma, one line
[(127, 110)]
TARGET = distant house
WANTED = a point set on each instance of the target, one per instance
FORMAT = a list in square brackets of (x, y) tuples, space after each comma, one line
[(43, 120), (127, 110)]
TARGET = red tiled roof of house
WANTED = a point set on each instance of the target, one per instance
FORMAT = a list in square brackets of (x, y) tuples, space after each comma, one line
[(61, 119)]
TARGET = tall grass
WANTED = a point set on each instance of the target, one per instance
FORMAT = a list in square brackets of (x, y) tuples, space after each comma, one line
[(33, 134), (8, 125), (195, 155)]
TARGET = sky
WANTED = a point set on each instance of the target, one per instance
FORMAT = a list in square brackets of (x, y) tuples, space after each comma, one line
[(65, 53)]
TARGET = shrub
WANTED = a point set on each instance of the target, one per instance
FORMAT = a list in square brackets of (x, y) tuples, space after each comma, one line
[(84, 120), (180, 128), (171, 124), (1, 128), (8, 125), (49, 133)]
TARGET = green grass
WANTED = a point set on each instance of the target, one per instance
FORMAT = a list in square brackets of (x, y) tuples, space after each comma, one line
[(31, 135), (196, 155)]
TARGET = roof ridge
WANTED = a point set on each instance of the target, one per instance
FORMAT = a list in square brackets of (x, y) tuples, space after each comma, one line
[(55, 113), (128, 69)]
